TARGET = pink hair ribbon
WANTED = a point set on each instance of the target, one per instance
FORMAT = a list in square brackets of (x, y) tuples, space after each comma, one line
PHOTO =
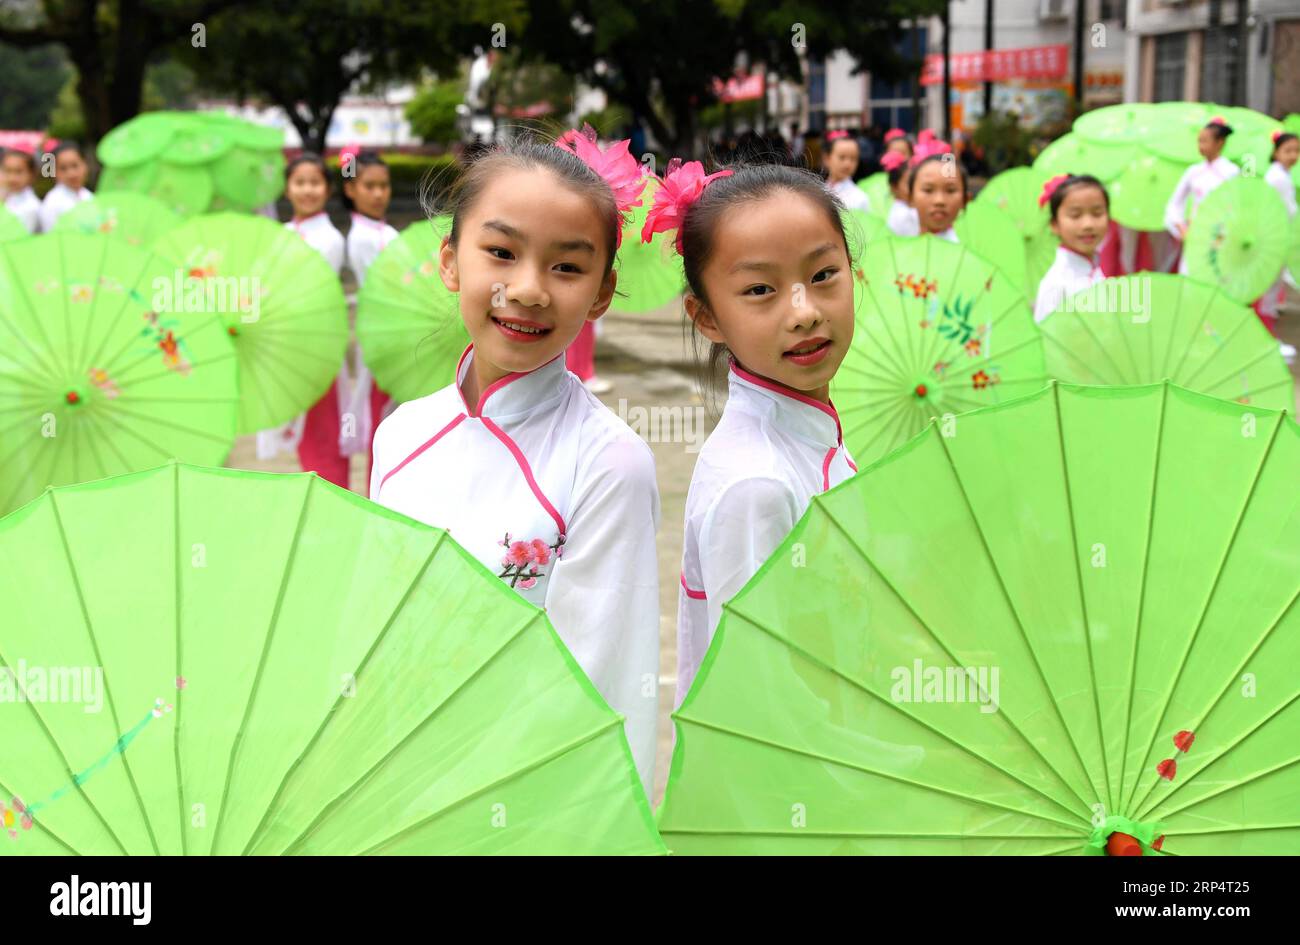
[(1049, 188), (625, 175)]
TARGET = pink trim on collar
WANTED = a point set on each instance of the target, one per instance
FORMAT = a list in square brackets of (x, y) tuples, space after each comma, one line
[(368, 221), (420, 449), (299, 221), (1090, 260), (494, 386), (527, 470), (690, 592), (828, 409)]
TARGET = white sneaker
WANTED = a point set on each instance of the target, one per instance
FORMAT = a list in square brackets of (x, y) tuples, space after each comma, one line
[(1288, 352), (598, 385)]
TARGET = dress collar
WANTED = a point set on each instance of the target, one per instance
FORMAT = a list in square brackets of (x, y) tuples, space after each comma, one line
[(368, 221), (1084, 265), (313, 220), (789, 410), (949, 234), (515, 394)]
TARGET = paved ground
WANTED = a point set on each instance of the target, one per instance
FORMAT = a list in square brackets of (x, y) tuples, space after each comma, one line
[(647, 359)]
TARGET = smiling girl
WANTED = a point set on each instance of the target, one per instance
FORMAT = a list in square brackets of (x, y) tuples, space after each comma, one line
[(524, 467), (770, 285), (69, 189), (937, 191), (1080, 217)]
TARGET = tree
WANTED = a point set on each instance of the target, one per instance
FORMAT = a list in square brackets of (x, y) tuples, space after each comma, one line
[(660, 57), (110, 42), (304, 55), (432, 113), (32, 80)]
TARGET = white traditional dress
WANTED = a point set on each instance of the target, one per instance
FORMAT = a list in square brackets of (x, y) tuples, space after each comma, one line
[(1196, 184), (850, 194), (556, 496), (1279, 178), (366, 238), (903, 220), (949, 234), (323, 236), (59, 201), (1069, 273), (26, 206), (772, 451)]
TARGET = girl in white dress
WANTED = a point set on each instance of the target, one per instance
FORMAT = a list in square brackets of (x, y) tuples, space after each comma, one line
[(902, 220), (69, 189), (367, 191), (841, 162), (897, 142), (1286, 150), (1198, 181), (22, 202), (770, 285), (937, 189), (1080, 218), (519, 462)]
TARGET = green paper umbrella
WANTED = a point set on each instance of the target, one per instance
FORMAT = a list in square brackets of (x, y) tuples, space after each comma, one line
[(137, 178), (139, 140), (1130, 123), (937, 330), (1293, 252), (1174, 130), (649, 274), (1139, 195), (876, 187), (1015, 192), (1139, 328), (861, 228), (248, 178), (993, 234), (101, 371), (280, 301), (11, 228), (124, 214), (1071, 154), (1238, 238), (280, 666), (197, 141), (183, 189), (408, 324), (1040, 253), (1024, 630)]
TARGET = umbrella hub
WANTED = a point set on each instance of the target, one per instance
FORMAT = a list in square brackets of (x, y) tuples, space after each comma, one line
[(1120, 836)]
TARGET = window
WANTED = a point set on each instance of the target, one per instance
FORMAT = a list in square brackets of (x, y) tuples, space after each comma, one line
[(1171, 59), (1219, 65), (1110, 9), (890, 104)]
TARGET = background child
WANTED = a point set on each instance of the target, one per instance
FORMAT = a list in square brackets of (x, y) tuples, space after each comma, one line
[(902, 218), (937, 190), (69, 189), (841, 161), (522, 465), (1198, 181), (367, 190), (770, 285), (19, 174), (1286, 150), (1080, 218)]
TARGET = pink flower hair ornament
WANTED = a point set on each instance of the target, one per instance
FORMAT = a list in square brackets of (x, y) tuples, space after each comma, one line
[(929, 148), (615, 165), (1277, 133), (893, 160), (836, 135), (681, 186), (1049, 188), (893, 133)]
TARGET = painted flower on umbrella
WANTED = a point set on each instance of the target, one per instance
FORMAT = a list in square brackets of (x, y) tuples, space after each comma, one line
[(24, 819), (980, 380), (681, 187)]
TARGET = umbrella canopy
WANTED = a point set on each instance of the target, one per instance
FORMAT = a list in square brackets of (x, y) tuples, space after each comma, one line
[(1238, 238), (130, 216), (938, 330), (408, 324), (876, 187), (11, 228), (861, 228), (649, 274), (1020, 634), (993, 235), (1146, 327), (281, 666), (281, 303), (1015, 192), (1071, 154), (1139, 195), (103, 369)]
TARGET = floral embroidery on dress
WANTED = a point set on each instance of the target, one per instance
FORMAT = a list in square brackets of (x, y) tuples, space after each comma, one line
[(523, 560)]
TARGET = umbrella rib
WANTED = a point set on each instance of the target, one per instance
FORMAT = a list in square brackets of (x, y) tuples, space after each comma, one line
[(1199, 326), (818, 501), (31, 472), (126, 299), (1083, 602), (158, 421), (873, 834), (888, 776), (338, 702), (1083, 319), (261, 660), (1268, 350), (1268, 353), (1123, 337), (865, 448), (99, 659), (1256, 776), (1200, 621), (52, 368), (1084, 365), (1006, 594), (179, 639), (1217, 758), (165, 371), (614, 724)]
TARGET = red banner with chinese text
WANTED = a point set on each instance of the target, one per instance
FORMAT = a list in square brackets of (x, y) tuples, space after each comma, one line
[(997, 65)]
